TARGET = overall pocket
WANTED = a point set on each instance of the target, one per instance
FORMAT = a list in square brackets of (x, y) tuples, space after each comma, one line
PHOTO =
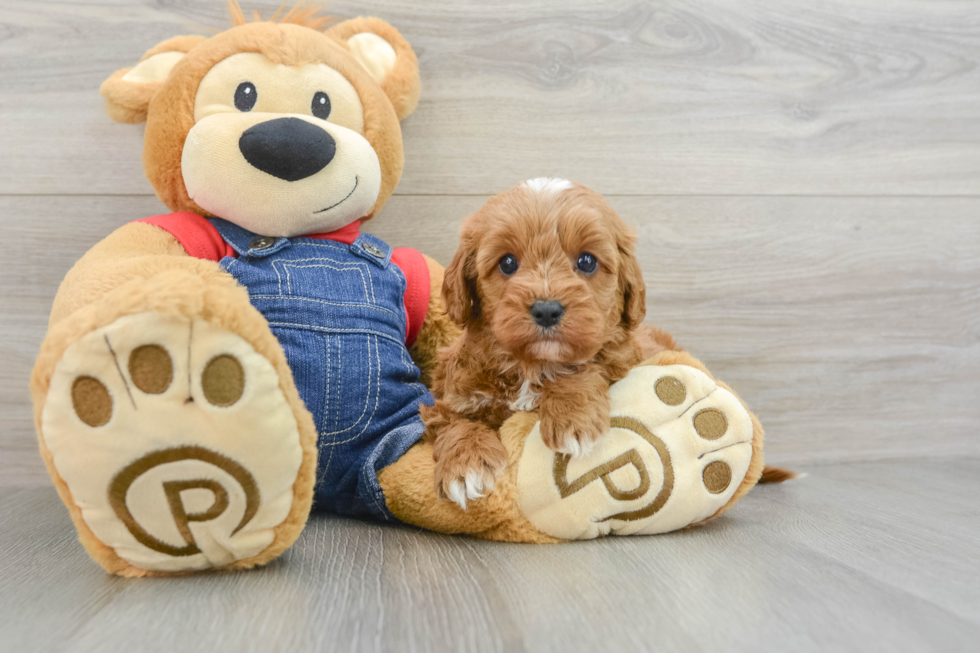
[(351, 387), (338, 377)]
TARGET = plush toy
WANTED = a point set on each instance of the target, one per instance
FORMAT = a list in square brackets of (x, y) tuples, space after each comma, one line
[(210, 374)]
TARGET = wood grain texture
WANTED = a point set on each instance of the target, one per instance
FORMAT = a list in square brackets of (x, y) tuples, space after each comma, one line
[(671, 97), (872, 556), (851, 325), (805, 181)]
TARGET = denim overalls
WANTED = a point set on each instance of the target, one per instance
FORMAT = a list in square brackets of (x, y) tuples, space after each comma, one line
[(338, 312)]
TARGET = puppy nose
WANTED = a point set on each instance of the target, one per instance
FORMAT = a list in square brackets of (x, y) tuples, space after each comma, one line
[(287, 148), (547, 313)]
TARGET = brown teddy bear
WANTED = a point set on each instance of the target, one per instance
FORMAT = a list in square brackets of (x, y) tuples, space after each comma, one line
[(211, 374)]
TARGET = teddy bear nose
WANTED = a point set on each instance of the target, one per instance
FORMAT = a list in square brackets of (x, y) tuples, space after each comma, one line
[(547, 313), (287, 148)]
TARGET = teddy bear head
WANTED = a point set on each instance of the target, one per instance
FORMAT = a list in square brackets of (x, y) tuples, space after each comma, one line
[(277, 126)]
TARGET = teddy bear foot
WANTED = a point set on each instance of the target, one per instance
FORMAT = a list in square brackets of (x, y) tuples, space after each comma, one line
[(174, 446), (678, 450)]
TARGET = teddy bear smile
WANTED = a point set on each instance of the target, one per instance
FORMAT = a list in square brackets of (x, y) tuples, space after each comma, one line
[(336, 204)]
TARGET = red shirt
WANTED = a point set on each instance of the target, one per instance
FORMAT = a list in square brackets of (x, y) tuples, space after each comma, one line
[(200, 239)]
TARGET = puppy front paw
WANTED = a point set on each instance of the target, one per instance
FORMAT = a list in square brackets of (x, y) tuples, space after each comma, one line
[(469, 470), (574, 433)]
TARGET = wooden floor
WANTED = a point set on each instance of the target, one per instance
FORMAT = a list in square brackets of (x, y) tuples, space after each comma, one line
[(805, 179), (856, 556)]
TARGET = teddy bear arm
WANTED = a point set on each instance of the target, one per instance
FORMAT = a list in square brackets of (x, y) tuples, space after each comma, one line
[(437, 330)]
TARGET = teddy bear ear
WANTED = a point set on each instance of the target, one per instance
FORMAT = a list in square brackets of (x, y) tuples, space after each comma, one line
[(128, 91), (386, 56)]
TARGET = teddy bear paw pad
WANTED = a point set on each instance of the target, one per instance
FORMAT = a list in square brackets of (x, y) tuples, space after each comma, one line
[(174, 440), (677, 449)]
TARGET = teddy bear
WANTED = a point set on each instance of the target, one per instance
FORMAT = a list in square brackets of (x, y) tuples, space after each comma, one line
[(212, 374)]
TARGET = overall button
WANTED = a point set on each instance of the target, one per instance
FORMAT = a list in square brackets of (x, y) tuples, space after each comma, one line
[(261, 242), (373, 250)]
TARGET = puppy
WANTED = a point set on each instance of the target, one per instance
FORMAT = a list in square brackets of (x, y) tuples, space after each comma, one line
[(549, 294)]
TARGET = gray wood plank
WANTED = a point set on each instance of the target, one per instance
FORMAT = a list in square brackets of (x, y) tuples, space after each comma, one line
[(849, 324), (880, 521), (721, 96), (869, 556), (48, 586)]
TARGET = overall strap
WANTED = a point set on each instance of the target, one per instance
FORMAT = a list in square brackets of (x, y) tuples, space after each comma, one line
[(372, 249), (247, 243)]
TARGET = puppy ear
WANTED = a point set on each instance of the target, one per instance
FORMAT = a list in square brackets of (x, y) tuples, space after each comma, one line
[(128, 91), (459, 286), (631, 284), (387, 57)]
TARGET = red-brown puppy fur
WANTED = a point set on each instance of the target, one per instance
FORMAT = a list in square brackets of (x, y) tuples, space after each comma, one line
[(505, 361)]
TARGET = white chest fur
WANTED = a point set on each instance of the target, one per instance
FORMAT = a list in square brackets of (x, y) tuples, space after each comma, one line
[(527, 398)]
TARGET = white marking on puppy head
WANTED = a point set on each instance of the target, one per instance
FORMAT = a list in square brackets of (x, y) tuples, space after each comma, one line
[(547, 185)]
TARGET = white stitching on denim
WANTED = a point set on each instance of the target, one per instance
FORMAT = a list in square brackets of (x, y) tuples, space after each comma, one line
[(401, 355), (403, 286), (320, 301), (358, 267), (340, 362), (371, 283), (356, 264), (322, 243), (275, 267), (287, 263), (367, 399), (313, 327), (327, 345), (326, 399), (410, 368), (340, 248), (377, 400)]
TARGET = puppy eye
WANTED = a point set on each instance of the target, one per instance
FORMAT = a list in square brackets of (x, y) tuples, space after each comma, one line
[(587, 263), (245, 96), (321, 105), (508, 264)]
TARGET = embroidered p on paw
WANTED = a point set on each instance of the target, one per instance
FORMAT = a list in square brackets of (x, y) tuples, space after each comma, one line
[(677, 449), (175, 441)]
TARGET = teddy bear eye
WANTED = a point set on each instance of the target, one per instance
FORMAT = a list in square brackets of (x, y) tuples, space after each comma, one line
[(245, 96), (587, 263), (508, 264), (321, 105)]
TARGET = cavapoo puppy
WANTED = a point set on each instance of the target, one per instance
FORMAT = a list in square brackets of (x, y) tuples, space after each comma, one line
[(549, 294)]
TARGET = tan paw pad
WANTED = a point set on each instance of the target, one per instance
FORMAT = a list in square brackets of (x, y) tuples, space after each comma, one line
[(175, 441), (677, 448)]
